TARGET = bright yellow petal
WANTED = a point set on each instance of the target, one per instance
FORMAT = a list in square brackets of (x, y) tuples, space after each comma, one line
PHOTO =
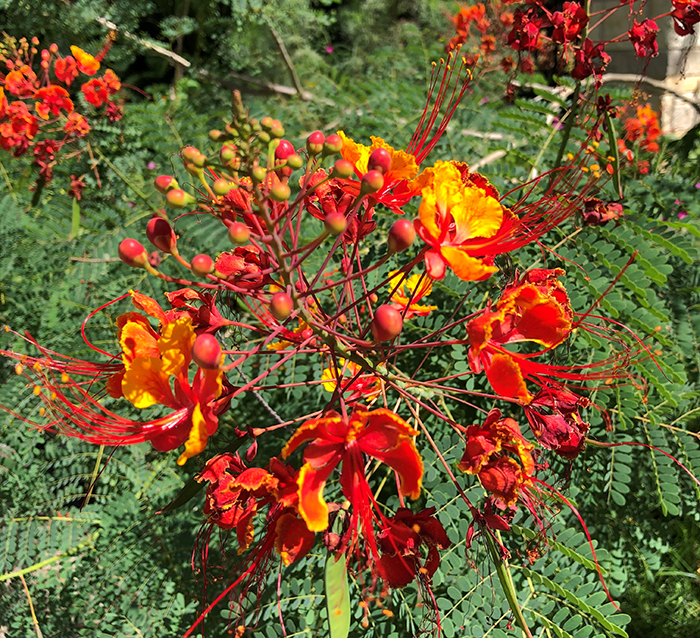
[(144, 383), (356, 154), (464, 266), (175, 345), (477, 215), (197, 440)]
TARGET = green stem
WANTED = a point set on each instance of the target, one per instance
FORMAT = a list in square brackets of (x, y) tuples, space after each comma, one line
[(570, 119), (504, 576), (48, 561)]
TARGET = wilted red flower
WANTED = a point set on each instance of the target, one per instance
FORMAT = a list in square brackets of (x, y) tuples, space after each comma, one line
[(643, 37), (561, 429), (590, 59), (244, 267), (51, 100), (333, 196), (686, 14), (597, 212), (77, 186), (66, 70), (402, 540), (569, 23), (235, 494), (77, 125), (525, 35), (500, 456), (205, 316)]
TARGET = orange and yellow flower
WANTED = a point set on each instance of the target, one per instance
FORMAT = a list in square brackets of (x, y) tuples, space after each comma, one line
[(536, 309), (51, 100), (500, 456), (354, 385), (379, 434), (408, 292), (461, 221), (87, 64)]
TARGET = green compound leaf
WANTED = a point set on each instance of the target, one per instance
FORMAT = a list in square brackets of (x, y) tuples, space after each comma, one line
[(337, 597)]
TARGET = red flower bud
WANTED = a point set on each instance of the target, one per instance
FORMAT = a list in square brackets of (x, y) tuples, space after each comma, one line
[(335, 223), (281, 306), (343, 169), (206, 352), (280, 192), (372, 181), (177, 198), (238, 233), (164, 183), (401, 235), (161, 235), (132, 253), (202, 265), (284, 150), (387, 323), (379, 160), (333, 144), (221, 186), (314, 143)]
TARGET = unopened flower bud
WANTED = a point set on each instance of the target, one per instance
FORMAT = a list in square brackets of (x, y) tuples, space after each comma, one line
[(221, 186), (335, 223), (161, 235), (314, 143), (53, 48), (193, 155), (277, 130), (333, 144), (267, 122), (387, 323), (164, 183), (281, 306), (259, 173), (343, 169), (238, 233), (264, 137), (177, 198), (202, 265), (227, 153), (402, 234), (280, 192), (372, 181), (284, 150), (379, 160), (373, 297), (206, 352), (295, 161), (132, 253), (215, 135)]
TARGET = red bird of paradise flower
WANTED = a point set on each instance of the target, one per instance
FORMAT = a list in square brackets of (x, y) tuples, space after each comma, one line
[(335, 440), (500, 456), (151, 361)]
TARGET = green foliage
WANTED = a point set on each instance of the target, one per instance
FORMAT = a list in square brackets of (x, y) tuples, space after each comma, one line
[(108, 565)]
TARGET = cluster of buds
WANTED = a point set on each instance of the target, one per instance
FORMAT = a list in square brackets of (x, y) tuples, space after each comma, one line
[(307, 287), (558, 40), (38, 111)]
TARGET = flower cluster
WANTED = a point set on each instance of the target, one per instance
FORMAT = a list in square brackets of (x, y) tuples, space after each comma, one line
[(307, 286), (558, 40), (38, 112)]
